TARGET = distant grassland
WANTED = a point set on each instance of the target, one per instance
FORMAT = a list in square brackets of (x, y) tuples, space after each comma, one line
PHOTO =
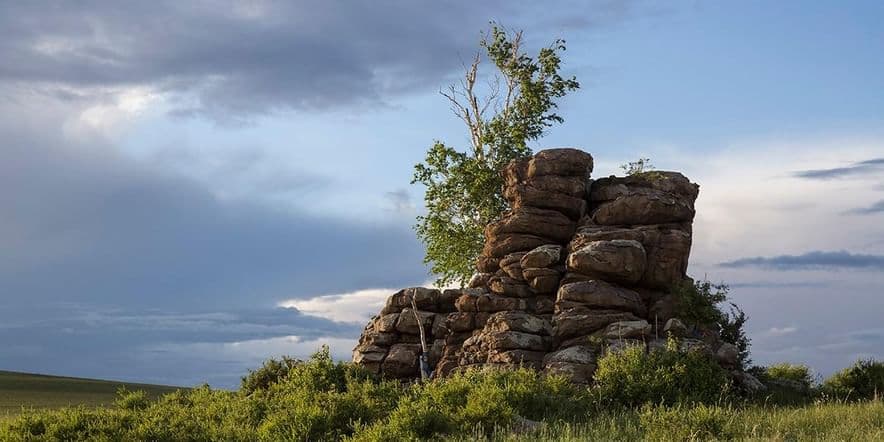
[(19, 390)]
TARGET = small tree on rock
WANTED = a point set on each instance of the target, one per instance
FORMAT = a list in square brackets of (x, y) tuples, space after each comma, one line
[(464, 188)]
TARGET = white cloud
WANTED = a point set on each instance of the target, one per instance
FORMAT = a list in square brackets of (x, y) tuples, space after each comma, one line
[(358, 306), (117, 111), (780, 331)]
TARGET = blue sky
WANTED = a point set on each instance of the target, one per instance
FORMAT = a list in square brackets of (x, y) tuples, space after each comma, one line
[(190, 188)]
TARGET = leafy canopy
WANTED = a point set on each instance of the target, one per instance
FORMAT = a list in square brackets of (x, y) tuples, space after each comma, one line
[(464, 187)]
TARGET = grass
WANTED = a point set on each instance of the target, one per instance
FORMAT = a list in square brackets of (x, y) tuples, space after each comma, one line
[(23, 390), (863, 421)]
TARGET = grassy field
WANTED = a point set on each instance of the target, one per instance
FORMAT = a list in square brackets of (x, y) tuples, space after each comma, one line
[(18, 390), (816, 422)]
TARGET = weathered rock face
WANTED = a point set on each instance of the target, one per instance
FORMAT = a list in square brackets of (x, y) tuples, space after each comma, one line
[(576, 268)]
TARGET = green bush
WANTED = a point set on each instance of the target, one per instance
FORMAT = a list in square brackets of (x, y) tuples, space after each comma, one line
[(699, 304), (665, 376), (863, 381), (479, 402), (271, 372), (131, 400), (798, 373)]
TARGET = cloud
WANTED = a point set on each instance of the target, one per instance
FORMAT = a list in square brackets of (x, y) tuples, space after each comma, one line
[(358, 306), (875, 208), (85, 224), (778, 284), (230, 62), (859, 168), (780, 331), (161, 345), (811, 260), (400, 201)]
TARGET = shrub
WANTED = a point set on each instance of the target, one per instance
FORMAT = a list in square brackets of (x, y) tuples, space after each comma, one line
[(131, 400), (68, 424), (698, 304), (324, 400), (478, 402), (664, 376), (271, 372), (864, 380), (798, 373)]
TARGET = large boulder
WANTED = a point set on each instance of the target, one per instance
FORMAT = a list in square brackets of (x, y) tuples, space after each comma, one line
[(648, 198), (542, 280), (510, 287), (517, 357), (526, 195), (501, 245), (386, 323), (408, 323), (614, 260), (602, 295), (667, 251), (402, 361), (425, 298), (610, 188), (576, 364), (518, 321), (576, 323), (544, 256), (531, 220), (513, 340), (497, 303), (628, 329), (562, 161)]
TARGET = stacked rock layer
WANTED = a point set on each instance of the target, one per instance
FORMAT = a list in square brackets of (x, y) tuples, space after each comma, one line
[(576, 268)]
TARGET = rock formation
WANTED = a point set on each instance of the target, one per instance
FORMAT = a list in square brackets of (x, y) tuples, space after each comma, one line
[(576, 268)]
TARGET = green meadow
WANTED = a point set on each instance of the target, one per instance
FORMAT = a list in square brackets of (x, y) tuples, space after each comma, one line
[(20, 391)]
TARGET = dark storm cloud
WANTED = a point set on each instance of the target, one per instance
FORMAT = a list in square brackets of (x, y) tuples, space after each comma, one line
[(875, 165), (234, 59), (812, 261), (112, 268), (85, 225)]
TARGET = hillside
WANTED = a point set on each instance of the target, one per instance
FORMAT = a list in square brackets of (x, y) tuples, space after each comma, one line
[(19, 390)]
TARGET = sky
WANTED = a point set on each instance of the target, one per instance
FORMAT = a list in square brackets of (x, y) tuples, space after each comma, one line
[(189, 188)]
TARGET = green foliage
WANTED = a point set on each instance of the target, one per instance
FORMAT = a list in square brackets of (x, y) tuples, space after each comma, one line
[(464, 188), (271, 372), (664, 376), (131, 400), (635, 167), (863, 381), (322, 400), (699, 304), (731, 329), (798, 373), (479, 401)]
